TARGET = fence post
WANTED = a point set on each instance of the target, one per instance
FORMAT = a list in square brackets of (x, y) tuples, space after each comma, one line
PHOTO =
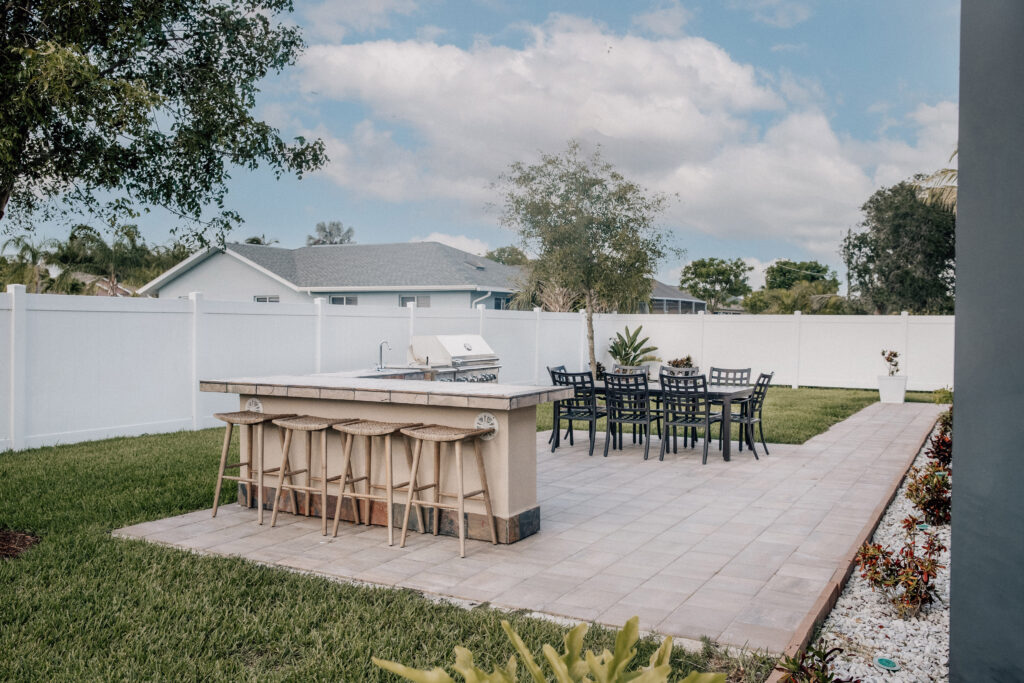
[(584, 349), (905, 317), (701, 316), (412, 319), (797, 317), (318, 351), (195, 298), (480, 308), (19, 348), (536, 345)]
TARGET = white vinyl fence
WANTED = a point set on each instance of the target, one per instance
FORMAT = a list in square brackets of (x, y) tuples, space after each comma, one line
[(78, 367)]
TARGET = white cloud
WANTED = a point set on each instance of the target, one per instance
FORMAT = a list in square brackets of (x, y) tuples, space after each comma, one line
[(463, 242), (750, 155), (334, 20), (778, 13), (667, 20), (789, 47), (755, 278)]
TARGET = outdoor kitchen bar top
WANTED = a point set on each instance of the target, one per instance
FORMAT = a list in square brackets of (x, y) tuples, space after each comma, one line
[(510, 456)]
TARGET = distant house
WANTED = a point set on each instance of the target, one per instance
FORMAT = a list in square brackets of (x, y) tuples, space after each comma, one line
[(427, 273), (668, 299)]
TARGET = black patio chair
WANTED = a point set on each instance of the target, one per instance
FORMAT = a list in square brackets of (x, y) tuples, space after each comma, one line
[(751, 413), (685, 404), (582, 407), (676, 372), (555, 407), (735, 377), (628, 402)]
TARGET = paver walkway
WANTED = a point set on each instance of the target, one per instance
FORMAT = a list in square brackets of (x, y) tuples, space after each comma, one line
[(737, 551)]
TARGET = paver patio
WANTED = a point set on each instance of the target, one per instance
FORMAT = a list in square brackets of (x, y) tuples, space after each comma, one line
[(737, 551)]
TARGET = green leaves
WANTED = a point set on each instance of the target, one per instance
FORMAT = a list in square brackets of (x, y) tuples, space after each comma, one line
[(565, 667), (715, 280), (629, 349)]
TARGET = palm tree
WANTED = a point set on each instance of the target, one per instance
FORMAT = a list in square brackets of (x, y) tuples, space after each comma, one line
[(939, 188), (69, 257), (260, 240), (111, 262), (28, 264), (334, 232)]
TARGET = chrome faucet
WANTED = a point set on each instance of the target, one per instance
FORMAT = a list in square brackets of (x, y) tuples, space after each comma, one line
[(380, 354)]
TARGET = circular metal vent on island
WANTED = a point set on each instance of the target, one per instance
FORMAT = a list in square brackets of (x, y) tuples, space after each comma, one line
[(255, 405), (486, 421)]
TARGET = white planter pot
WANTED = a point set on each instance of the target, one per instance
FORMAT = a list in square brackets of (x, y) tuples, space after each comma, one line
[(892, 389)]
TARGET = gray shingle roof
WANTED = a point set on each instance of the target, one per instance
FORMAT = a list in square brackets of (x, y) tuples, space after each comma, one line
[(662, 291), (407, 264)]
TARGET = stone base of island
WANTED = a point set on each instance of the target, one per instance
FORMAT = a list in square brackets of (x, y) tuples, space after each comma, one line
[(510, 456)]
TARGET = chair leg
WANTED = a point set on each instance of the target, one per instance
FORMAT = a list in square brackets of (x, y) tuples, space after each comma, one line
[(461, 492), (309, 468), (608, 436), (223, 464), (647, 441), (487, 491), (416, 450), (389, 492), (323, 482), (593, 434), (283, 472), (572, 428), (260, 452), (707, 435), (437, 487), (748, 431), (346, 468), (367, 503), (661, 453), (408, 463), (760, 428)]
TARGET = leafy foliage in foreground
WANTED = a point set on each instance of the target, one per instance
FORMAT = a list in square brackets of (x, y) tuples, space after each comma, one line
[(629, 349), (814, 665), (905, 576), (567, 667)]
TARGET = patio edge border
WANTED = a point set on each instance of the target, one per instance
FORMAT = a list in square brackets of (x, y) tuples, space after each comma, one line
[(828, 597)]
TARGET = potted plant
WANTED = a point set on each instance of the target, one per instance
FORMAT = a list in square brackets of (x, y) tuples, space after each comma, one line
[(892, 388), (630, 350)]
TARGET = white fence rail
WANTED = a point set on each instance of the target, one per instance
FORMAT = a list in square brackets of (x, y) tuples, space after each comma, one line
[(79, 368)]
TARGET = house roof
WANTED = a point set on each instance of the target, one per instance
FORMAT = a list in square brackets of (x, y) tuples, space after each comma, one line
[(660, 290), (360, 267)]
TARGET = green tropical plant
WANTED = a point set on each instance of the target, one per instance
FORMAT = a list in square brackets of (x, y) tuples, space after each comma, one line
[(814, 665), (930, 488), (906, 577), (572, 665), (629, 349), (27, 264)]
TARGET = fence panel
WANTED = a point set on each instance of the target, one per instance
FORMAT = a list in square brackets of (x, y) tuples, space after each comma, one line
[(5, 371), (512, 335), (352, 336)]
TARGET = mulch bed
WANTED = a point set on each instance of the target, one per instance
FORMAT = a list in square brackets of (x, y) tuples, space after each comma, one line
[(14, 543)]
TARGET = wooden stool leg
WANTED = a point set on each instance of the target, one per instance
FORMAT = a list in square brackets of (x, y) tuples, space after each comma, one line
[(349, 440), (437, 487), (223, 463), (259, 476), (309, 468), (367, 505), (461, 498), (280, 479), (408, 461), (416, 449), (487, 491), (389, 490), (323, 482), (346, 467)]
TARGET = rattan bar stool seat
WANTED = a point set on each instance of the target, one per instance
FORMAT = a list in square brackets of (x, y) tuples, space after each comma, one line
[(367, 430), (307, 424), (253, 423), (456, 436)]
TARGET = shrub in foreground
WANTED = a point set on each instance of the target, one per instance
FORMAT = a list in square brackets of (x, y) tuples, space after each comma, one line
[(930, 489), (907, 576), (814, 665)]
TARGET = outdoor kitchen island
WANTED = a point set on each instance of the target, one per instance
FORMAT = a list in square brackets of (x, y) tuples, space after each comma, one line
[(510, 455)]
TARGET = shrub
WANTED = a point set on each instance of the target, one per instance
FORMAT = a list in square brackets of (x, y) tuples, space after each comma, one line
[(629, 349), (906, 577), (946, 421), (814, 665), (684, 362), (930, 490), (941, 449), (567, 667), (943, 395), (891, 359)]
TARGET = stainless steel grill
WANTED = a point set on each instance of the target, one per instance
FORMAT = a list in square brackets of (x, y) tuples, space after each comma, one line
[(455, 357)]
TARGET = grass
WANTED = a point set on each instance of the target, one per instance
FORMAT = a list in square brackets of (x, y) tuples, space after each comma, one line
[(83, 605), (790, 415)]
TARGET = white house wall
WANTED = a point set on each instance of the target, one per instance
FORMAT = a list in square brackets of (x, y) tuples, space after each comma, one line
[(225, 278)]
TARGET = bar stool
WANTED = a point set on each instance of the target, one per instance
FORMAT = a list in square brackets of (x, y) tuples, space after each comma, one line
[(247, 419), (440, 434), (307, 424), (368, 429)]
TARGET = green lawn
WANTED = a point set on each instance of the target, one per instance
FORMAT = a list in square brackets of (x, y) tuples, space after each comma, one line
[(82, 605), (790, 415)]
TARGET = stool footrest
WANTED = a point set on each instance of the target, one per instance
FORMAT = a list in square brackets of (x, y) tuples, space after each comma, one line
[(424, 487), (272, 469), (248, 480), (363, 496), (237, 464), (297, 487), (290, 473)]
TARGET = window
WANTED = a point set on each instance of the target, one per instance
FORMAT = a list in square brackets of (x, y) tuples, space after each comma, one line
[(502, 303), (421, 301), (345, 300), (267, 299)]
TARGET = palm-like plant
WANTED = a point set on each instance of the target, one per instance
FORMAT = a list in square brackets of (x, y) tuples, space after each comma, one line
[(939, 188), (27, 265), (333, 232), (629, 349), (110, 262)]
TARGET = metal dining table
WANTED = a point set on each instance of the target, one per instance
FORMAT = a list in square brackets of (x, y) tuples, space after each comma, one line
[(725, 393)]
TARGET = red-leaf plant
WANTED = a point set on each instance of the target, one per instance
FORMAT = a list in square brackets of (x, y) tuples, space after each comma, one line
[(907, 576)]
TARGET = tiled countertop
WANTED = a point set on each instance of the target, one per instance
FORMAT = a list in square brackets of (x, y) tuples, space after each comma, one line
[(339, 387)]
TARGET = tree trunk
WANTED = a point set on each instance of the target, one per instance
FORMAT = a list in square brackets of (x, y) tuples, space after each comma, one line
[(590, 337)]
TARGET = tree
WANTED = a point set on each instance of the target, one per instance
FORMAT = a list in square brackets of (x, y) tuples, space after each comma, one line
[(904, 259), (592, 230), (715, 280), (260, 240), (819, 297), (334, 232), (111, 263), (27, 266), (510, 256), (940, 188), (784, 274), (146, 102)]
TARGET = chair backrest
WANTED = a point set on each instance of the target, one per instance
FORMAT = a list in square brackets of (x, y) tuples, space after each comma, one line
[(582, 383), (685, 398), (627, 397), (679, 372), (553, 370), (630, 369), (730, 376), (760, 390)]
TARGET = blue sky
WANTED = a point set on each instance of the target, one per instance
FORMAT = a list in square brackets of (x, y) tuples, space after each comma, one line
[(772, 120)]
